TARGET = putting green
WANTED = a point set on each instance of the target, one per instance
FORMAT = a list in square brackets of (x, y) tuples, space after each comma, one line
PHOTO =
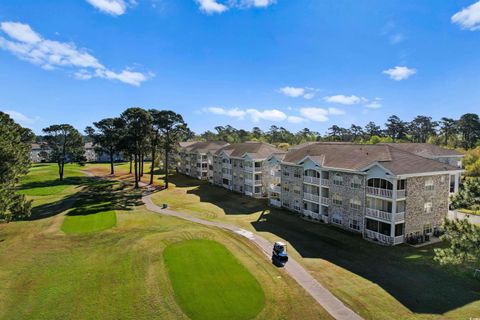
[(210, 283)]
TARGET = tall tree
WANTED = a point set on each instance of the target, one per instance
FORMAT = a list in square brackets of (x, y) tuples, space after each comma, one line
[(137, 128), (421, 128), (173, 129), (396, 128), (356, 131), (448, 127), (371, 129), (464, 244), (106, 138), (66, 145), (14, 162), (469, 128), (155, 135)]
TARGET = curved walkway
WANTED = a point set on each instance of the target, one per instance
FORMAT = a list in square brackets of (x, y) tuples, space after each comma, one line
[(462, 216), (326, 299)]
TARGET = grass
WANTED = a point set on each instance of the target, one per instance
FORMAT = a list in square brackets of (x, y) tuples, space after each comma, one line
[(92, 218), (468, 211), (210, 283), (378, 282), (117, 273)]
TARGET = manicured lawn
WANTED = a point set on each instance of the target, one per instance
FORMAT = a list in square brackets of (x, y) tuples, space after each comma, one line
[(210, 283), (378, 282), (118, 273), (83, 219)]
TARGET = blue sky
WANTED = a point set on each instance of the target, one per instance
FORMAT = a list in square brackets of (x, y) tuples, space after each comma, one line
[(292, 63)]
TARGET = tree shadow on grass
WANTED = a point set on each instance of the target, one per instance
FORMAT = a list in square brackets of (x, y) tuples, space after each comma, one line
[(94, 195), (54, 183), (408, 274)]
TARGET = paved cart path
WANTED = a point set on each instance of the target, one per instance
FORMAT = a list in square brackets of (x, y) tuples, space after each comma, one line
[(324, 297)]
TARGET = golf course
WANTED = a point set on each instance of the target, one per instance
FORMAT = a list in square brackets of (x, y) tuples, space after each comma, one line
[(91, 250)]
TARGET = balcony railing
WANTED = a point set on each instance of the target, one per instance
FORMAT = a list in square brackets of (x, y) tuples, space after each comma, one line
[(379, 214), (227, 176), (311, 180), (275, 203), (311, 214), (379, 237), (252, 169), (383, 215), (386, 193), (226, 165), (275, 188), (398, 240), (325, 183), (311, 197), (325, 201), (401, 193)]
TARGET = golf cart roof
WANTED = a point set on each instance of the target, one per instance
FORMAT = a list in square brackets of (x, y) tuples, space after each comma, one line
[(280, 244)]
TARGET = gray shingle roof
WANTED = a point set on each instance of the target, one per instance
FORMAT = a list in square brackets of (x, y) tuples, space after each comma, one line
[(425, 149), (256, 150)]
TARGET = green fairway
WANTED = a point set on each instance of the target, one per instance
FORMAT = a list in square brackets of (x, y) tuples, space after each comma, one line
[(210, 283), (90, 218)]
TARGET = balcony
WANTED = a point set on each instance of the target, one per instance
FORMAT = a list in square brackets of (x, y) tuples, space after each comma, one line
[(325, 182), (398, 240), (275, 188), (384, 193), (227, 176), (382, 238), (226, 165), (252, 182), (311, 180), (252, 169), (311, 197), (312, 214), (325, 201), (275, 203), (401, 194), (383, 215)]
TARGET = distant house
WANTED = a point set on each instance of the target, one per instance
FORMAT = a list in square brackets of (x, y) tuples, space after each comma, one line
[(39, 153)]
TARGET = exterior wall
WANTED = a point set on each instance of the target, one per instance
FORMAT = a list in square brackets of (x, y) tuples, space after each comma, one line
[(289, 183), (238, 176), (346, 192), (418, 195)]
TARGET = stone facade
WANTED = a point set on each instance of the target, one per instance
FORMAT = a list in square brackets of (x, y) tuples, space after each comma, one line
[(420, 192)]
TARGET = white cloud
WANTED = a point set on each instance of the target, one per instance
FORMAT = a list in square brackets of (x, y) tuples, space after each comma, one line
[(342, 99), (211, 6), (295, 119), (28, 45), (220, 6), (397, 38), (315, 114), (234, 113), (112, 7), (468, 18), (400, 73), (295, 92), (375, 104), (21, 118), (270, 115), (335, 111)]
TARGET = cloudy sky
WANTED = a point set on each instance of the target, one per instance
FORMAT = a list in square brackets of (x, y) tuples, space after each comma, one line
[(292, 63)]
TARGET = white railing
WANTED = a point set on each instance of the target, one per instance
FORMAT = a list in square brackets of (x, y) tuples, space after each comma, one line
[(311, 197), (249, 181), (311, 214), (252, 169), (386, 193), (311, 180), (379, 236), (248, 193), (275, 188), (325, 183), (401, 194), (277, 174), (227, 176), (379, 214), (399, 216), (398, 240), (325, 201), (275, 203)]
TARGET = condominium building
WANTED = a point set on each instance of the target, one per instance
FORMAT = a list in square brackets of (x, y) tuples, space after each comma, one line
[(241, 167), (385, 192), (193, 158)]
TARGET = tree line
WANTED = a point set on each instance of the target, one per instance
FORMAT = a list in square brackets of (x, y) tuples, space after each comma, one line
[(455, 133)]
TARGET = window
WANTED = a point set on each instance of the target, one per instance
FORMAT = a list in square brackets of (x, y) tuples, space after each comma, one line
[(427, 207), (338, 180), (286, 204), (337, 200), (296, 206), (429, 184), (286, 173), (297, 174), (399, 229), (356, 182), (337, 218), (286, 188), (452, 183), (354, 224), (355, 204), (401, 184), (296, 189), (427, 228)]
